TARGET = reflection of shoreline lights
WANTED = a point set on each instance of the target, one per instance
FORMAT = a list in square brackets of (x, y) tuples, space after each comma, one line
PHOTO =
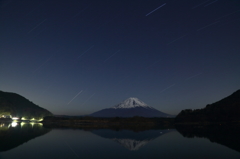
[(33, 123), (30, 123), (14, 124), (22, 123), (2, 125)]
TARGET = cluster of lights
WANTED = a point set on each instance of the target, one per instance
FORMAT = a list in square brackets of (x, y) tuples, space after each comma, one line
[(31, 123), (33, 119), (16, 122), (17, 119), (2, 125), (6, 116), (23, 118)]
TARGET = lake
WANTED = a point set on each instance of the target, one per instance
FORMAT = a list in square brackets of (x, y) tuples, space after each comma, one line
[(31, 140)]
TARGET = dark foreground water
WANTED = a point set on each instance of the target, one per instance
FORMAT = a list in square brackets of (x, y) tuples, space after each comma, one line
[(33, 141)]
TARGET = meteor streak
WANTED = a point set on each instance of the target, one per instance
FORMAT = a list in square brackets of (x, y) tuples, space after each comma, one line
[(111, 55), (86, 51), (167, 88), (210, 3), (37, 26), (156, 9), (208, 25), (74, 97)]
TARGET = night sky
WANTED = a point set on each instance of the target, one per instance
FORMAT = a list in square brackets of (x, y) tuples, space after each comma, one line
[(76, 57)]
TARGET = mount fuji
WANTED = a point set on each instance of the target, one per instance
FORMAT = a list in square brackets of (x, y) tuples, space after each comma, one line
[(129, 108)]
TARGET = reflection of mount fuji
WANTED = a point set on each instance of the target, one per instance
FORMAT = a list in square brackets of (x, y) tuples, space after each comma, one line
[(130, 139), (131, 144), (13, 135)]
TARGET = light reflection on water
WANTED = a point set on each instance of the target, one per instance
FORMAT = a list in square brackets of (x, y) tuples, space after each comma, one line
[(13, 124), (13, 135), (106, 143)]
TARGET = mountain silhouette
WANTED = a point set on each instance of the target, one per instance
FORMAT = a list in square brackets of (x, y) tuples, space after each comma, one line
[(129, 108), (16, 105), (225, 110)]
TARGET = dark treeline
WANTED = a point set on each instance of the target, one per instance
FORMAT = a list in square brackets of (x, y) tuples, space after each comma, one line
[(226, 110), (223, 134), (136, 123)]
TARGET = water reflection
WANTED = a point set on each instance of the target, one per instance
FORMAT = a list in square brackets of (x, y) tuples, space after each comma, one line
[(226, 135), (16, 133), (110, 143), (130, 139), (4, 126), (14, 124)]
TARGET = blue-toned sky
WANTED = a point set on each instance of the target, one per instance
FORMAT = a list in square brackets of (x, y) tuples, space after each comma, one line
[(76, 57)]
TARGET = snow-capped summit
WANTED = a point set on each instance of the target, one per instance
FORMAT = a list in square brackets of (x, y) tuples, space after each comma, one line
[(131, 102), (129, 108)]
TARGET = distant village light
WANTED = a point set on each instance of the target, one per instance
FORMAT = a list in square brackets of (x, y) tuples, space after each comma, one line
[(23, 118), (6, 116)]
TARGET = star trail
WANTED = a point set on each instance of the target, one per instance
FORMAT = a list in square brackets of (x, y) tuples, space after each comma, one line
[(76, 57)]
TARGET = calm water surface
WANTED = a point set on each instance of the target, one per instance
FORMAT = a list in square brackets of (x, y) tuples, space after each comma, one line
[(36, 142)]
